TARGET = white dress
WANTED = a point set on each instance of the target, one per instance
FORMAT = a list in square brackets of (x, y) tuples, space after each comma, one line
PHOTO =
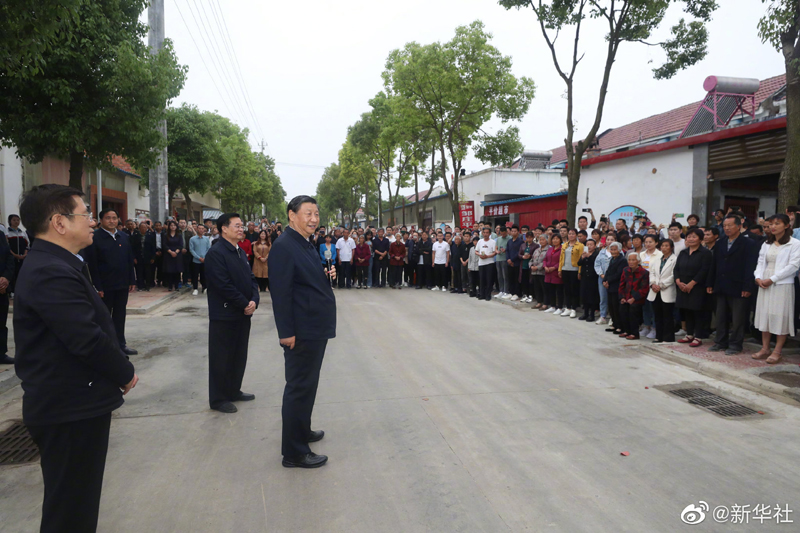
[(775, 304)]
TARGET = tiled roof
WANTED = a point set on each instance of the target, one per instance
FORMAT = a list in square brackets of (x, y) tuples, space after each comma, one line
[(664, 123), (120, 163)]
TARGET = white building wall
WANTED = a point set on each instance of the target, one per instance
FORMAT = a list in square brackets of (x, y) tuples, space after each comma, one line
[(659, 183), (10, 183), (494, 184)]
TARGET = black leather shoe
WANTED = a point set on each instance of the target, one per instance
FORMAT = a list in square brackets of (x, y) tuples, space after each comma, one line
[(245, 397), (717, 348), (309, 460), (129, 351), (225, 407), (316, 436), (6, 360)]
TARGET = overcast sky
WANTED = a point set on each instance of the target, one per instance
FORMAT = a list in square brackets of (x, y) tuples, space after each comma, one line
[(310, 68)]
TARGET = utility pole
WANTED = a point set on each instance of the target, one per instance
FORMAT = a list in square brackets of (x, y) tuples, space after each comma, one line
[(159, 188), (263, 145)]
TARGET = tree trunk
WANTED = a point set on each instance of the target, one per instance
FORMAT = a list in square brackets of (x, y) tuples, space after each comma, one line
[(76, 171), (789, 182), (188, 206), (416, 194), (430, 189), (573, 179)]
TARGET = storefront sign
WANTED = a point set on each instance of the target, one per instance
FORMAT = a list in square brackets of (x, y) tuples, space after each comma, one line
[(627, 213), (497, 210), (467, 214)]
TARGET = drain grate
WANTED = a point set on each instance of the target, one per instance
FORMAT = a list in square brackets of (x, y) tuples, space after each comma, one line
[(711, 402), (17, 446)]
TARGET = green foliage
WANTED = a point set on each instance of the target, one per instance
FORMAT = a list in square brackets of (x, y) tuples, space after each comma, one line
[(344, 184), (452, 89), (780, 27), (195, 153), (95, 90)]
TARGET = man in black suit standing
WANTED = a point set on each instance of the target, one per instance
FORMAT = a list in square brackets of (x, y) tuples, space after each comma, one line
[(8, 268), (113, 271), (305, 315), (73, 371), (143, 243), (232, 299)]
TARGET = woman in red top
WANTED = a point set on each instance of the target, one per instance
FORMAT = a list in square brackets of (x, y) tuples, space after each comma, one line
[(553, 285), (633, 290), (247, 246), (397, 255), (361, 256)]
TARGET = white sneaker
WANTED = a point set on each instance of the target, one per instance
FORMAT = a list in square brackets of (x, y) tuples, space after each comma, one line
[(194, 292), (573, 314), (498, 295), (610, 322), (643, 328), (514, 298), (565, 312), (405, 284), (652, 334), (680, 333), (601, 321), (443, 289), (551, 310), (506, 296), (435, 289)]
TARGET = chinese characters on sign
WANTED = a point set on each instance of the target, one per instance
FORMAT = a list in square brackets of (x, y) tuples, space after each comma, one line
[(497, 210), (467, 214)]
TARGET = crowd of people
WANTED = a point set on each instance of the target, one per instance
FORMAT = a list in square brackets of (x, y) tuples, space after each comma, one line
[(663, 282)]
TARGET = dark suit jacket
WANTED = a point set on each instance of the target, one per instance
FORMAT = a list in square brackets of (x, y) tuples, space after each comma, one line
[(7, 261), (144, 254), (230, 282), (302, 299), (111, 261), (732, 271), (67, 353)]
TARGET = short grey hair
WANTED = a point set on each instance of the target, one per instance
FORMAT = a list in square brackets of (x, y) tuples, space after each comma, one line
[(634, 254), (616, 245)]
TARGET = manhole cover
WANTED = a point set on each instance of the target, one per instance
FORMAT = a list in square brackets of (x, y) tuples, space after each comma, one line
[(711, 402), (787, 379), (17, 446)]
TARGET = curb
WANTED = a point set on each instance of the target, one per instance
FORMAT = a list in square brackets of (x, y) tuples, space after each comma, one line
[(154, 305)]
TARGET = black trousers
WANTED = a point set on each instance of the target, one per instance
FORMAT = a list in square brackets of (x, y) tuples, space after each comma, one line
[(613, 310), (144, 275), (345, 274), (198, 271), (395, 275), (158, 271), (538, 288), (731, 309), (117, 303), (73, 462), (263, 284), (381, 268), (187, 267), (696, 324), (408, 272), (439, 275), (525, 286), (572, 289), (630, 318), (362, 275), (423, 279), (228, 341), (474, 282), (4, 323), (554, 295), (457, 276), (513, 279), (486, 280), (665, 319), (303, 364)]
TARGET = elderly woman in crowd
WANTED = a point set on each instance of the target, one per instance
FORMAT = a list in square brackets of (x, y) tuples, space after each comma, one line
[(473, 268), (553, 284), (691, 277), (590, 297), (568, 269), (662, 292), (778, 263), (537, 271), (633, 289), (611, 282), (361, 255), (600, 267), (525, 255)]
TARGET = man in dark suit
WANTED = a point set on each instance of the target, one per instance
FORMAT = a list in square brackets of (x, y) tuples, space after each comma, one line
[(113, 271), (143, 243), (232, 299), (732, 272), (305, 315), (73, 371), (8, 268)]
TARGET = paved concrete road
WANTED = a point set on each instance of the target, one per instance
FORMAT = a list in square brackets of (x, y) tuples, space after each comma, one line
[(441, 414)]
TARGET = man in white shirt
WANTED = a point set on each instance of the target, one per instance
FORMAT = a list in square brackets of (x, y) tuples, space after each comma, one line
[(675, 235), (390, 234), (441, 261), (486, 249), (344, 258)]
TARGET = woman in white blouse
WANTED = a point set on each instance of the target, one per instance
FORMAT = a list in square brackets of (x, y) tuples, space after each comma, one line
[(662, 291), (778, 263)]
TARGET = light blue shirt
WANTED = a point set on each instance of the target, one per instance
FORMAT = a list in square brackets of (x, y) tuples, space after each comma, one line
[(198, 247)]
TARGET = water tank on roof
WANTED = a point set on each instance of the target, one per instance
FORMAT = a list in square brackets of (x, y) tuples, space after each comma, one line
[(726, 84), (535, 159)]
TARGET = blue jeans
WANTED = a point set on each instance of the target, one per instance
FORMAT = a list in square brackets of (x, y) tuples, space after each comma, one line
[(369, 273), (603, 298), (648, 315)]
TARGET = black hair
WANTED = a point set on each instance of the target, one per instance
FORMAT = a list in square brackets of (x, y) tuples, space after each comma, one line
[(530, 234), (224, 220), (40, 204), (696, 231), (515, 227), (583, 232), (697, 218), (503, 228), (583, 217), (714, 230), (651, 236), (736, 219), (525, 226), (787, 235), (671, 244), (676, 225), (637, 236), (297, 201), (554, 222), (104, 212), (756, 226), (556, 236), (12, 216)]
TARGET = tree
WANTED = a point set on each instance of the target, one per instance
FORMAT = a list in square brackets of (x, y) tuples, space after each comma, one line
[(628, 21), (195, 155), (98, 91), (453, 90), (780, 26)]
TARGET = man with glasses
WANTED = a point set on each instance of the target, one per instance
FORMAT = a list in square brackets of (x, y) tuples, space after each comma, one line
[(73, 372), (111, 263)]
